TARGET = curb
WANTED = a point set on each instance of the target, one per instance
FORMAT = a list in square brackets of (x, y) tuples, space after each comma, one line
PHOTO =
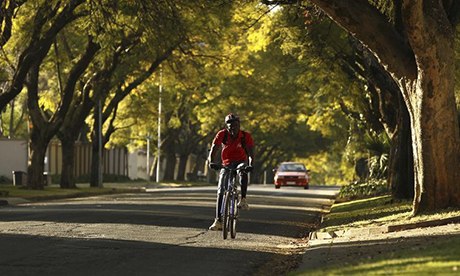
[(367, 231), (318, 235), (12, 201)]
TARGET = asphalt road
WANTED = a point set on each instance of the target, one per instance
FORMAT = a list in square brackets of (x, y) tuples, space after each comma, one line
[(161, 232)]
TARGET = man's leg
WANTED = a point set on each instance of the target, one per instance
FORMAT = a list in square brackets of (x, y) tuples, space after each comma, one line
[(244, 184), (244, 188), (217, 225)]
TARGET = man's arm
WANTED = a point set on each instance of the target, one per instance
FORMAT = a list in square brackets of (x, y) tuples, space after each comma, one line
[(212, 153), (250, 152)]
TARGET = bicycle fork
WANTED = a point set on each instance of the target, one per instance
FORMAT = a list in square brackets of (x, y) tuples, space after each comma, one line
[(234, 204)]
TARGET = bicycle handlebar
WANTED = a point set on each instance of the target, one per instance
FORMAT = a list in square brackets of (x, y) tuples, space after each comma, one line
[(241, 167)]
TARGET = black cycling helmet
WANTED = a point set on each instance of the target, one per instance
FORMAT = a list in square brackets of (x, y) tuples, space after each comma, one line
[(231, 118)]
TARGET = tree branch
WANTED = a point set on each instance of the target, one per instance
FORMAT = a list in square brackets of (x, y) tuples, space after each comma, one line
[(74, 76), (37, 50), (374, 30)]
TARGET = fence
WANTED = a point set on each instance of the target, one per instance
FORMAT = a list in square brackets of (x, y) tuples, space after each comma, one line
[(115, 160)]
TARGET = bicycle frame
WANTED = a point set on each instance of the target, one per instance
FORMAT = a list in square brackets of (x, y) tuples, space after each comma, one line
[(229, 203), (230, 198)]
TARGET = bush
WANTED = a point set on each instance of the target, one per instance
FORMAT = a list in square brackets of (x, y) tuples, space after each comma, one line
[(371, 188), (56, 178), (5, 180)]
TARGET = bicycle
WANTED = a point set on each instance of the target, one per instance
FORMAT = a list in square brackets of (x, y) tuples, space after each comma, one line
[(231, 198)]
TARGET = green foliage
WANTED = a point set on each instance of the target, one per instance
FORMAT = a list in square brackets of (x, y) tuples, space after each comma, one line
[(378, 166), (263, 67), (378, 148), (5, 180), (371, 188), (13, 121), (457, 72), (327, 167)]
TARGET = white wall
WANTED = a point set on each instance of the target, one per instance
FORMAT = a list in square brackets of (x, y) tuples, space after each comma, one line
[(13, 156), (137, 163), (132, 159)]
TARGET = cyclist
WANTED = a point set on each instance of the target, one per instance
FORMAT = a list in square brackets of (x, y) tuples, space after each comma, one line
[(237, 147)]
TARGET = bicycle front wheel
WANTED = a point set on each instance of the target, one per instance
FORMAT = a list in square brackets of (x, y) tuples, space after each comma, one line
[(226, 215), (233, 214)]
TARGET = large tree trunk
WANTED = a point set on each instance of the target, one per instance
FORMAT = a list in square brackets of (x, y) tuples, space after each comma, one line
[(69, 133), (170, 165), (435, 139), (394, 118), (68, 164), (36, 166), (183, 158), (401, 165), (431, 103), (41, 133)]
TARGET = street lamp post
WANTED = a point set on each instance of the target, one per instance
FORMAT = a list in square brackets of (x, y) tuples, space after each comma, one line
[(159, 127), (100, 149), (147, 167)]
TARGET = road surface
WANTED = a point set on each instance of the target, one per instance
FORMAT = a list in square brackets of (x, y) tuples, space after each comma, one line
[(160, 232)]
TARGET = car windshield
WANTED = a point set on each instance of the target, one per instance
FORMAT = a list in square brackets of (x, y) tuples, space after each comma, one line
[(292, 168)]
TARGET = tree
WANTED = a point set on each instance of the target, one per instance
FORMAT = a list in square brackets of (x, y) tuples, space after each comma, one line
[(377, 107), (44, 125), (122, 89), (134, 46), (166, 25), (36, 26), (417, 49)]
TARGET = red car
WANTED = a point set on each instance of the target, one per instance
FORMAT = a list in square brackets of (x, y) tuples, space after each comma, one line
[(291, 174)]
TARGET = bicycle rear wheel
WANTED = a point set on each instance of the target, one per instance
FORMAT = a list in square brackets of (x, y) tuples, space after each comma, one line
[(233, 214), (226, 215)]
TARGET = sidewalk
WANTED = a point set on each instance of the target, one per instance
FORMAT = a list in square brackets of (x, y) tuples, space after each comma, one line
[(5, 199), (345, 247)]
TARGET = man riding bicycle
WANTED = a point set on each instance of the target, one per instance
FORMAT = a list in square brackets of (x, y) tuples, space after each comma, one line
[(237, 147)]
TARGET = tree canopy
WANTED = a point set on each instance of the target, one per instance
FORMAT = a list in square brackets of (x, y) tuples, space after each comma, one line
[(326, 82)]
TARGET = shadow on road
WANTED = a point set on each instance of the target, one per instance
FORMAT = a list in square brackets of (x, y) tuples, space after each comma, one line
[(280, 213), (32, 255)]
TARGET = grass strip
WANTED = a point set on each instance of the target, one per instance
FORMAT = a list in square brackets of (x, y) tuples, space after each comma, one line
[(437, 257), (57, 192), (377, 211)]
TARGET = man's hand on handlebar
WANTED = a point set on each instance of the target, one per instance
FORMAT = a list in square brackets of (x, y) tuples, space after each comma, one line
[(215, 166)]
